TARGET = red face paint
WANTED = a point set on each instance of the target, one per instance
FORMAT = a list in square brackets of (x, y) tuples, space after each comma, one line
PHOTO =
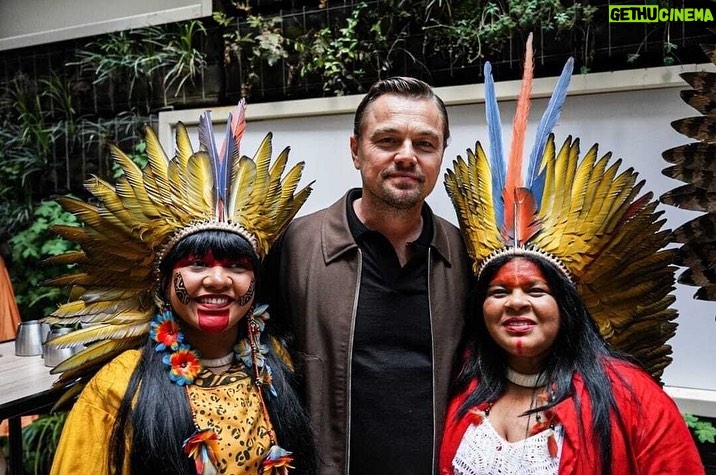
[(518, 273)]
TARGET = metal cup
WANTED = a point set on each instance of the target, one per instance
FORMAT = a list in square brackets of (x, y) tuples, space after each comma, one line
[(54, 356), (28, 341), (45, 331)]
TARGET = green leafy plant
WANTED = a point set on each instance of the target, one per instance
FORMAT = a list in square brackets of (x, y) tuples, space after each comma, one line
[(184, 61), (27, 249), (477, 28), (138, 56), (337, 55), (39, 442), (124, 56), (263, 41), (668, 49), (26, 138), (337, 59), (703, 430)]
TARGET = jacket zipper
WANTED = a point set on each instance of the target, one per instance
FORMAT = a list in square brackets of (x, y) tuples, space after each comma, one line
[(432, 353), (350, 362)]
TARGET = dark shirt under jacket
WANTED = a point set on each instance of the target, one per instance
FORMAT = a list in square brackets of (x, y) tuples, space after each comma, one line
[(391, 428)]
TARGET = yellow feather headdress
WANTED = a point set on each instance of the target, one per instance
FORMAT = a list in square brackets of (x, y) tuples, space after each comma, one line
[(145, 214), (580, 214)]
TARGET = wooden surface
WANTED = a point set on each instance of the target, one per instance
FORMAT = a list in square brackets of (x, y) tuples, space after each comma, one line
[(25, 384), (21, 378)]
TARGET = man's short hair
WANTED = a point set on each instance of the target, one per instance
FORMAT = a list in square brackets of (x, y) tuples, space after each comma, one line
[(401, 86)]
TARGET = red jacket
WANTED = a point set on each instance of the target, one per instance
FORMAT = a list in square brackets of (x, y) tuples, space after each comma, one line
[(658, 440)]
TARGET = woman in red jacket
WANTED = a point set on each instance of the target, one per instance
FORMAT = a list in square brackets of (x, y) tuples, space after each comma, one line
[(541, 392), (571, 269)]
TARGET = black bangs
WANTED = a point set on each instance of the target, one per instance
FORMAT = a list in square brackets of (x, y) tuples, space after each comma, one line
[(222, 244)]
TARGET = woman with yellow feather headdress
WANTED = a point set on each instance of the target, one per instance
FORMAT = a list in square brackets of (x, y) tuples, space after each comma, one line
[(187, 375), (572, 295)]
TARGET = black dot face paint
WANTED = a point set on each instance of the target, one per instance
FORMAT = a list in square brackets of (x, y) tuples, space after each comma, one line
[(180, 289), (244, 299)]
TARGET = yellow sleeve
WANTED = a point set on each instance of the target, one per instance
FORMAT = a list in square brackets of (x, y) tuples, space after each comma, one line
[(84, 444)]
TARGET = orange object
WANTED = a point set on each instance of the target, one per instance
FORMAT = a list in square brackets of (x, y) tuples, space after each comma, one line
[(25, 421), (9, 313)]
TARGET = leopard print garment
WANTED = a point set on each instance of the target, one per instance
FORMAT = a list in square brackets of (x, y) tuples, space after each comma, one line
[(229, 404)]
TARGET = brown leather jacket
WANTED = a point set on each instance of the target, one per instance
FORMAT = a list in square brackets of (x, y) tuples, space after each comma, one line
[(319, 275)]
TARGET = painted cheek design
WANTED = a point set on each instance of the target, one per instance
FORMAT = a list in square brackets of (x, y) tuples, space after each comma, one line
[(244, 299), (180, 289)]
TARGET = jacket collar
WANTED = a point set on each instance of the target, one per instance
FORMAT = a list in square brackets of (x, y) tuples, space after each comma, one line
[(336, 238)]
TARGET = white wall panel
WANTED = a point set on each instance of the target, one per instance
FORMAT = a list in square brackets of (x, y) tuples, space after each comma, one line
[(33, 22)]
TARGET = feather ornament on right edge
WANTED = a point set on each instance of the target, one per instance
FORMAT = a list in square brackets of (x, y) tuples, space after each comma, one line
[(695, 164)]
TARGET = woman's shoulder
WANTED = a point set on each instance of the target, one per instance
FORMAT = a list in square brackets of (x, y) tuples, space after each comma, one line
[(121, 365), (631, 382), (627, 380), (618, 369), (112, 379)]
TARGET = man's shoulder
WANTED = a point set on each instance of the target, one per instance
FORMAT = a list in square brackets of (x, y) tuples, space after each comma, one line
[(446, 227), (444, 223), (306, 222), (312, 220)]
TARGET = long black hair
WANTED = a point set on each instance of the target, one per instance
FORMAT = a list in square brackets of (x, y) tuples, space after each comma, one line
[(155, 413), (577, 349)]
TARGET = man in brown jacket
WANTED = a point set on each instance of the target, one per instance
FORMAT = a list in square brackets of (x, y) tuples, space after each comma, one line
[(374, 288)]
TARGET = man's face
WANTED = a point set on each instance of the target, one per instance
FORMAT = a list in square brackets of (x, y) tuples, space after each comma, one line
[(400, 150)]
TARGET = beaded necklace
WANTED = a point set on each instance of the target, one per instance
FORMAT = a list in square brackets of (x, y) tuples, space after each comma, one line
[(184, 364)]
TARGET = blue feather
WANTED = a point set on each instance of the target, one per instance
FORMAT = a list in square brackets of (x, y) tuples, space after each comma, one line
[(494, 130), (218, 166), (228, 148), (535, 179)]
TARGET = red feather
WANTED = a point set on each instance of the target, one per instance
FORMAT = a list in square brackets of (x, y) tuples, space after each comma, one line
[(514, 177), (551, 444), (478, 414), (519, 203), (521, 222), (238, 126)]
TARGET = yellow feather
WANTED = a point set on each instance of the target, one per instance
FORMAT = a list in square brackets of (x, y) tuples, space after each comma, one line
[(71, 257), (469, 185), (591, 204), (199, 194), (107, 195), (97, 352), (100, 332), (242, 188), (604, 191), (262, 159), (184, 150), (281, 352), (135, 181), (582, 185)]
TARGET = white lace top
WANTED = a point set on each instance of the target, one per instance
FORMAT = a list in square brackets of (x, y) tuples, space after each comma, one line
[(483, 451)]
